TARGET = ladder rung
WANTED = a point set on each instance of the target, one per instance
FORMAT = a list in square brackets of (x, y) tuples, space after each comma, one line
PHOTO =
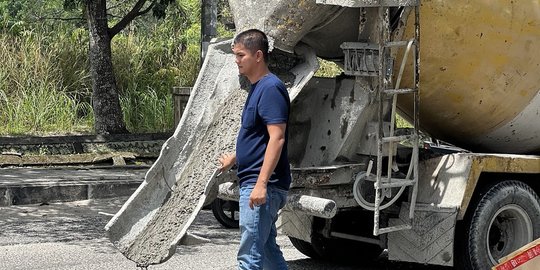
[(359, 46), (370, 3), (400, 91), (397, 183), (397, 138), (395, 228), (400, 43)]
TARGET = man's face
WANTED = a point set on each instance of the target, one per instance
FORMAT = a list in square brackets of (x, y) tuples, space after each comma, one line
[(245, 59)]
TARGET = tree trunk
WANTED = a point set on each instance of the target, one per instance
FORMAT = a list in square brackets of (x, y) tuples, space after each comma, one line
[(105, 100)]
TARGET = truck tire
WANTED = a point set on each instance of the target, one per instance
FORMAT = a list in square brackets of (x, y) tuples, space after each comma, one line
[(504, 219), (304, 247), (226, 212)]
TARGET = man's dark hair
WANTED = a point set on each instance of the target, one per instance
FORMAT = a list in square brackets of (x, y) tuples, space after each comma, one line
[(254, 40)]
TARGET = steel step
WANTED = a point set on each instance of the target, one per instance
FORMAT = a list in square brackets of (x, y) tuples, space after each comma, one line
[(400, 91), (397, 138), (394, 228), (397, 183)]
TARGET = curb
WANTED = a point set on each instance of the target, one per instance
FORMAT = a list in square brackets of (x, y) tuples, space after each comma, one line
[(19, 186)]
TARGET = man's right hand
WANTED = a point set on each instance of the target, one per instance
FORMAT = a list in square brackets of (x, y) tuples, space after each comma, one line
[(226, 160)]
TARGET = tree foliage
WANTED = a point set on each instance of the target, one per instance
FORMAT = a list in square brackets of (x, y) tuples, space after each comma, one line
[(150, 56)]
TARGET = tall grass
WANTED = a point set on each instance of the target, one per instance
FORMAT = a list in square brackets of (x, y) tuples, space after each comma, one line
[(147, 68), (147, 111), (44, 77), (33, 98), (45, 86), (43, 112)]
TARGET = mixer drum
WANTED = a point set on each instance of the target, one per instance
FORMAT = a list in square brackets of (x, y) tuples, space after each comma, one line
[(479, 74)]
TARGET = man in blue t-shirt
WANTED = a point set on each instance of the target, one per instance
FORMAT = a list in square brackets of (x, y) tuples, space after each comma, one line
[(261, 155)]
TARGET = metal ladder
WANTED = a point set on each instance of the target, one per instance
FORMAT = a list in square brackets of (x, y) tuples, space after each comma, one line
[(368, 59)]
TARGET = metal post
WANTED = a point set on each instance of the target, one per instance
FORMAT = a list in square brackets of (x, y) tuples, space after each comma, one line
[(416, 107), (383, 35), (208, 25), (180, 99)]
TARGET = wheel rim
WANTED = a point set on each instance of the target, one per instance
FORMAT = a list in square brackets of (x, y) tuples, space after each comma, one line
[(509, 229)]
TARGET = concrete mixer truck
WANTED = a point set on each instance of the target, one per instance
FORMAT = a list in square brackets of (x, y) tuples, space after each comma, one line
[(471, 78), (465, 72)]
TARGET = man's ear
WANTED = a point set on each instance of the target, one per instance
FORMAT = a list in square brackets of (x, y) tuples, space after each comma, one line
[(259, 55)]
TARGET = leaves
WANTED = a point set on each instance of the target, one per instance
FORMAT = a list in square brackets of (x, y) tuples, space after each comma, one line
[(160, 8), (73, 4), (44, 78)]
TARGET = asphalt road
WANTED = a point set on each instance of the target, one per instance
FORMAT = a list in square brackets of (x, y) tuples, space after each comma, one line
[(70, 236)]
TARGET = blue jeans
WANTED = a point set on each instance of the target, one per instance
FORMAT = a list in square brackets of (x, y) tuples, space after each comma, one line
[(258, 245)]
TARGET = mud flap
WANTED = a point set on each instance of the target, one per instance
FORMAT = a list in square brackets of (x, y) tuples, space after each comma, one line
[(295, 224), (431, 239)]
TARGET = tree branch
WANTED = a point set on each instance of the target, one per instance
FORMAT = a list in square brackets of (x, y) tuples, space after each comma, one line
[(55, 15), (60, 18), (117, 5), (147, 9), (114, 16), (132, 14)]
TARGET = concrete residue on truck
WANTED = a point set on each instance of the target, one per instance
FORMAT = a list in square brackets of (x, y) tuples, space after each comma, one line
[(478, 89)]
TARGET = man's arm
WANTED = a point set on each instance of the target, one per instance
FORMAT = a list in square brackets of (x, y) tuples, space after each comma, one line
[(271, 158)]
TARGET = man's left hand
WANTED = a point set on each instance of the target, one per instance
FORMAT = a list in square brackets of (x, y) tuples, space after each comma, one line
[(258, 196)]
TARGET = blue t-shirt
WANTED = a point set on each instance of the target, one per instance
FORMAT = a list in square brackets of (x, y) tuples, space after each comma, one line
[(267, 103)]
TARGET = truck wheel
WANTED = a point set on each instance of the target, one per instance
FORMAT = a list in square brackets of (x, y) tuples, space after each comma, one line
[(505, 218), (226, 212), (304, 247)]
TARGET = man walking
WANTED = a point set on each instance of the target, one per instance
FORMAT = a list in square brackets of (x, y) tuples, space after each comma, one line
[(261, 155)]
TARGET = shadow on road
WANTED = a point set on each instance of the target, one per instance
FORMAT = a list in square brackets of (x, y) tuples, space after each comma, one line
[(311, 264), (69, 222), (81, 224)]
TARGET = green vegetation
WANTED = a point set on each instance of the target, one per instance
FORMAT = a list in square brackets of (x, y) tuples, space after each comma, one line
[(45, 85), (44, 79), (34, 90), (328, 69), (402, 123)]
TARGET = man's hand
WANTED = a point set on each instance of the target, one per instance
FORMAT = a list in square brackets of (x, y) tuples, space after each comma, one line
[(226, 160), (258, 195), (271, 157)]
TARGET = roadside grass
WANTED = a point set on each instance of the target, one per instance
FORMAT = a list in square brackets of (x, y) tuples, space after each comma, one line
[(147, 111), (45, 86), (33, 98), (146, 72)]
